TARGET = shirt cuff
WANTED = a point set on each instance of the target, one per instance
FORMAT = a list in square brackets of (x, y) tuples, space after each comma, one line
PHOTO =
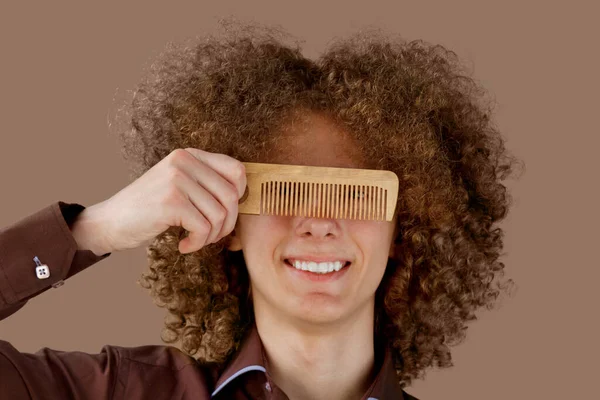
[(46, 235)]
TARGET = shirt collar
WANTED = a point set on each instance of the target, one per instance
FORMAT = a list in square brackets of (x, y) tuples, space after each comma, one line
[(250, 357)]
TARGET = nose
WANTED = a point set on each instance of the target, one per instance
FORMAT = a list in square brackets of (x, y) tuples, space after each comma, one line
[(318, 228), (316, 212)]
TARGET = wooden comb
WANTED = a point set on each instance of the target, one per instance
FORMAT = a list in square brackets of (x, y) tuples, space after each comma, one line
[(322, 192)]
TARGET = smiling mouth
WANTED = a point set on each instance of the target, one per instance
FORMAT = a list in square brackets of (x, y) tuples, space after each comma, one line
[(343, 268)]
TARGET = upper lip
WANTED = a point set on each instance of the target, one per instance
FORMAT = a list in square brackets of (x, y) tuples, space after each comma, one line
[(316, 258)]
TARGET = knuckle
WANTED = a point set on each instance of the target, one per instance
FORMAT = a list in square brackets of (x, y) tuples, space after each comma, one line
[(232, 196), (240, 170), (176, 154), (175, 174), (179, 156), (221, 214), (205, 227)]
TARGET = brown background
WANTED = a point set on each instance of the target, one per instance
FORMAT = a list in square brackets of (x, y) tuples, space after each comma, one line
[(63, 66)]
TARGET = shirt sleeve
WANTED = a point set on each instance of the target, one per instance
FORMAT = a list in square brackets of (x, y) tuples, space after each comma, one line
[(45, 234), (47, 374), (53, 374)]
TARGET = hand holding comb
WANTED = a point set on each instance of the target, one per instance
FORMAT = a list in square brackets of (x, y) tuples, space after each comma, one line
[(325, 192)]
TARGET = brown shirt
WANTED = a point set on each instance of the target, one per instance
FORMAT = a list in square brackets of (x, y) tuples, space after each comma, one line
[(144, 372)]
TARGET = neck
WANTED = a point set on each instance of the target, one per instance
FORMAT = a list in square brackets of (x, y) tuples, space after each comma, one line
[(310, 361)]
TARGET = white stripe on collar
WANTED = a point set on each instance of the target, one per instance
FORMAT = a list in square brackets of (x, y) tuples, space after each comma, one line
[(241, 371), (246, 369)]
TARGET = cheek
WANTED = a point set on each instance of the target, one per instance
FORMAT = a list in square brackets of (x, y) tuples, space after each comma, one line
[(374, 240), (255, 229), (373, 235), (260, 236)]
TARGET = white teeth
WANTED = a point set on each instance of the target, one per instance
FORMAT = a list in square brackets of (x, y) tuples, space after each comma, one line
[(321, 268)]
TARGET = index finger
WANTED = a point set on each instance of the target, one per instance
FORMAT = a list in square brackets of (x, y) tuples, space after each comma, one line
[(228, 167)]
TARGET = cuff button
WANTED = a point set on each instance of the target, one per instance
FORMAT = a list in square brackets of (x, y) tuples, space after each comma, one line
[(42, 272)]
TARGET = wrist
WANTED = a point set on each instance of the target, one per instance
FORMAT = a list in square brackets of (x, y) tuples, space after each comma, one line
[(89, 232)]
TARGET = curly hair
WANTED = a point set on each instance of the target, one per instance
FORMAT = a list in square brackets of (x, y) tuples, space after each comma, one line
[(411, 108)]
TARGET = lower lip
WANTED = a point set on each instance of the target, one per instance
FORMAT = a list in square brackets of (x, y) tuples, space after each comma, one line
[(318, 277)]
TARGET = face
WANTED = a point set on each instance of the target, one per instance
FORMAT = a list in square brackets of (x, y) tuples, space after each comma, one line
[(266, 241)]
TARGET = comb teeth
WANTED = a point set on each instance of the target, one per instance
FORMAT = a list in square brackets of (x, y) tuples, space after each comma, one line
[(323, 200), (322, 192)]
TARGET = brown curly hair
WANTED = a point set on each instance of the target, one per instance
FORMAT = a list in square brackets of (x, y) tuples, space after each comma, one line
[(412, 109)]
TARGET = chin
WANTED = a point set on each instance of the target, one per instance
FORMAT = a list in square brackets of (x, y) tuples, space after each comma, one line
[(319, 319), (317, 312)]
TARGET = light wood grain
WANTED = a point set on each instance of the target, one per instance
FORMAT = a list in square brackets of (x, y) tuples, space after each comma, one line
[(324, 192)]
